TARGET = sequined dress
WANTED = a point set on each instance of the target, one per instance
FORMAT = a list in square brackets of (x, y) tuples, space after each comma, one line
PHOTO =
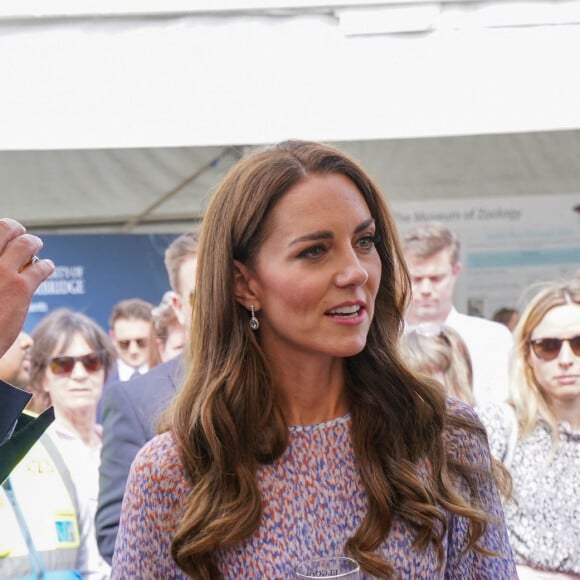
[(313, 501)]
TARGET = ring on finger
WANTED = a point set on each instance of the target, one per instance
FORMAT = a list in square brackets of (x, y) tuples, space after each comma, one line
[(31, 261)]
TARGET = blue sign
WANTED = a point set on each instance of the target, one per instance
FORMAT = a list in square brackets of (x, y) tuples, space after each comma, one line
[(95, 271)]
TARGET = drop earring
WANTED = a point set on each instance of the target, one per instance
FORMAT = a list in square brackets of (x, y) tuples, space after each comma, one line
[(254, 322)]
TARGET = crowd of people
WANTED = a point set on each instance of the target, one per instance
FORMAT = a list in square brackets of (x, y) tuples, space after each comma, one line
[(306, 387)]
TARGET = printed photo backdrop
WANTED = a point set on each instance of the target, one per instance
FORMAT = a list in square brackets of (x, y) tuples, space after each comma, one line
[(509, 245), (95, 271)]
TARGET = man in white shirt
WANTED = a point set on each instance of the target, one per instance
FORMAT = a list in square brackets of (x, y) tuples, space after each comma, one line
[(432, 255), (45, 498)]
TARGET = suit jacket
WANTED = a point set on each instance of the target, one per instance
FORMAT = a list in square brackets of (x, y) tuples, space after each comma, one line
[(112, 378), (131, 410)]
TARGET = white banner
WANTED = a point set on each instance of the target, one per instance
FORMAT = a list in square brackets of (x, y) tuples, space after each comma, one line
[(509, 245)]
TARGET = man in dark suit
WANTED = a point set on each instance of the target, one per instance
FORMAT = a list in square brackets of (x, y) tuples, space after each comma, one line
[(132, 409)]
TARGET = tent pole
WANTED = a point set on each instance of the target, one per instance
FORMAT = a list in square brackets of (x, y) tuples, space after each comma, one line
[(134, 221)]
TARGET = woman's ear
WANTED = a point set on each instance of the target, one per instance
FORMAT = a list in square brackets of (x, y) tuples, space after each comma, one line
[(246, 289), (178, 308)]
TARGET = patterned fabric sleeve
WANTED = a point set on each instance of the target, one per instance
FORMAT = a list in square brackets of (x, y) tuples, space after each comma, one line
[(500, 423), (151, 509), (470, 449)]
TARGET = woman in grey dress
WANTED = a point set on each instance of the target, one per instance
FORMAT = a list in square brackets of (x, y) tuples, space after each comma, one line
[(543, 514)]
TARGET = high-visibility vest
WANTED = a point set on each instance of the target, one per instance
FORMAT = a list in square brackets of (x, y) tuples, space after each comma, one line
[(46, 498)]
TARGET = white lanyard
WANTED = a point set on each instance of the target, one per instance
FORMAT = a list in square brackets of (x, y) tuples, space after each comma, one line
[(33, 555)]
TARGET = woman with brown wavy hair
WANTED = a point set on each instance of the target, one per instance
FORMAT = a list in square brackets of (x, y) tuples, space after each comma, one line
[(298, 431)]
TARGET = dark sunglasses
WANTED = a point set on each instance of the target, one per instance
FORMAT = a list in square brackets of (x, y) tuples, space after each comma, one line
[(63, 365), (548, 349), (125, 344)]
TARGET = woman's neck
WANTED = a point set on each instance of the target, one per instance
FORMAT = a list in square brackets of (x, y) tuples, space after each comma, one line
[(568, 411), (312, 394)]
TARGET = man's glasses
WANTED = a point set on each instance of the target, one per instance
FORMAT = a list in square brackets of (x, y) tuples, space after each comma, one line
[(63, 365), (125, 344), (548, 349)]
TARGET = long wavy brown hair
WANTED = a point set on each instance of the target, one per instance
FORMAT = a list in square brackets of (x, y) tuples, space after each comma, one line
[(227, 418)]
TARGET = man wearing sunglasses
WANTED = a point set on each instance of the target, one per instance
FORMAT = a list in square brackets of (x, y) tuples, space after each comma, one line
[(130, 329), (432, 255), (45, 526), (131, 409)]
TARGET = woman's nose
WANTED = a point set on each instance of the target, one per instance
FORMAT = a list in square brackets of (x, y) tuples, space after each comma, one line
[(352, 273), (566, 355), (425, 286)]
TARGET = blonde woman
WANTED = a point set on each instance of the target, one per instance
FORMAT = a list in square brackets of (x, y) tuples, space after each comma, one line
[(543, 515), (437, 350)]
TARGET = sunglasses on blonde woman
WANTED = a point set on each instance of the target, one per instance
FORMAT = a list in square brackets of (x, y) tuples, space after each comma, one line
[(548, 349), (63, 365)]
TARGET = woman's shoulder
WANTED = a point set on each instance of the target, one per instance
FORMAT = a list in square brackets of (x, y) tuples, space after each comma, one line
[(457, 408), (497, 414), (160, 456), (501, 425), (464, 434), (161, 447), (488, 413)]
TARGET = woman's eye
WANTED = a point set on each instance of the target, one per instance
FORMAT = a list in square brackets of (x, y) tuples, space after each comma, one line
[(313, 252), (367, 242)]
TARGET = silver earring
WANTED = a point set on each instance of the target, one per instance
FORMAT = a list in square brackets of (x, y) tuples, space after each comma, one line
[(254, 322)]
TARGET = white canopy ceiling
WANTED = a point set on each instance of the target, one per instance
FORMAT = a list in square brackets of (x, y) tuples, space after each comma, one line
[(107, 109), (192, 74)]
